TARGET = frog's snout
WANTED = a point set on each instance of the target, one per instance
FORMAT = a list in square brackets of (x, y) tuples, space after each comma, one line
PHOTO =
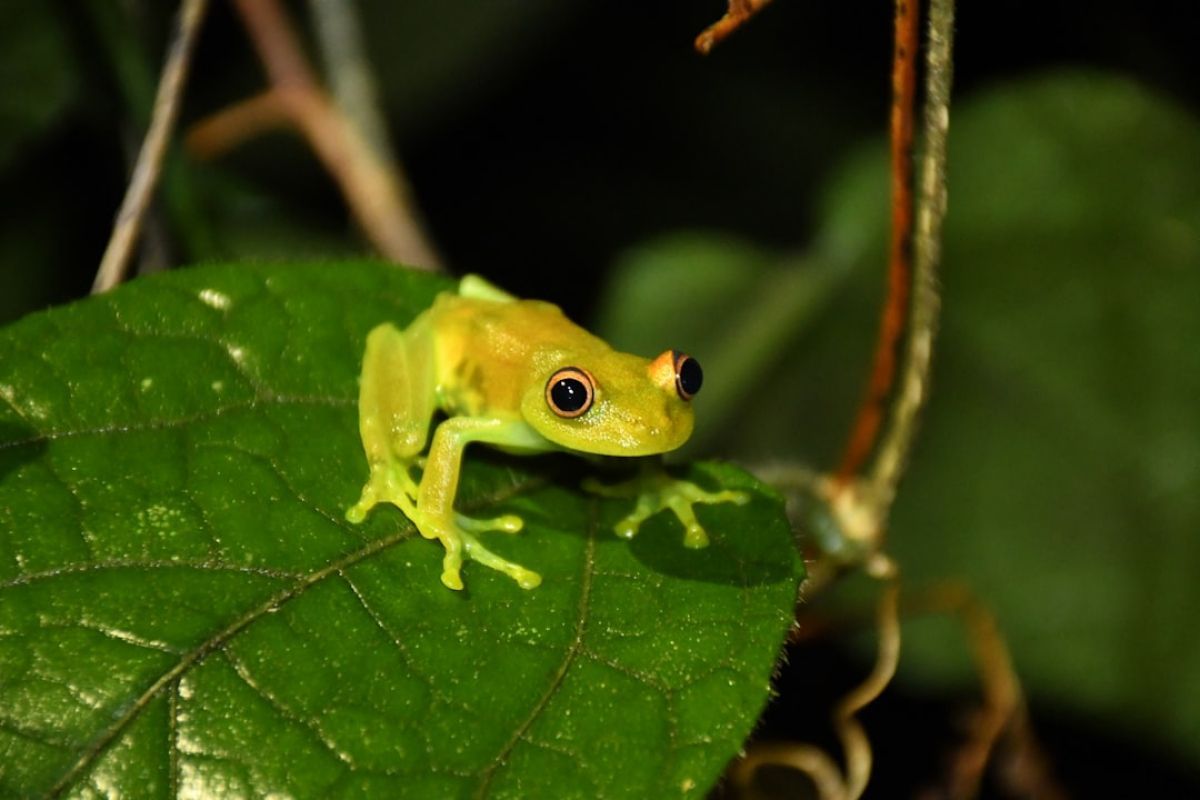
[(650, 430), (658, 429)]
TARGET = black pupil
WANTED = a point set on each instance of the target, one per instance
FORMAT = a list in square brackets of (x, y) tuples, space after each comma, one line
[(690, 376), (569, 394)]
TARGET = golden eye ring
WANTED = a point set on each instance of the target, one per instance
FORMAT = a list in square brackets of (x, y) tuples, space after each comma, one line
[(570, 392)]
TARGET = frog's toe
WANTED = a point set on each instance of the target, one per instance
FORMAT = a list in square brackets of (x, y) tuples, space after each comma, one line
[(452, 560), (366, 501), (526, 579), (389, 482), (731, 496), (532, 581), (627, 528), (505, 523), (696, 537)]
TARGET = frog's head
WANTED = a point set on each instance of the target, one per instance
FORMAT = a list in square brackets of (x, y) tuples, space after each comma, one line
[(614, 404)]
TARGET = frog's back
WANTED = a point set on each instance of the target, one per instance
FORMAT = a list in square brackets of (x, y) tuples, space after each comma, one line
[(489, 351)]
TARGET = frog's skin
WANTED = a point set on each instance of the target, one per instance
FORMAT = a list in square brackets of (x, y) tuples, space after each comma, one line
[(489, 361)]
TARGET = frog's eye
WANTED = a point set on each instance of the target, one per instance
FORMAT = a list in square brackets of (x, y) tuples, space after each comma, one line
[(688, 376), (570, 392)]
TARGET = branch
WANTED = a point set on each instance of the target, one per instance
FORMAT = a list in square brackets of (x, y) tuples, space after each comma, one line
[(339, 34), (862, 501), (369, 182), (897, 441), (149, 162), (738, 12), (895, 308)]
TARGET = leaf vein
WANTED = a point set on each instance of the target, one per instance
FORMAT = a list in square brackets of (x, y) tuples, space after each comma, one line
[(37, 737), (403, 649), (135, 564), (282, 709), (573, 651), (218, 640), (45, 437)]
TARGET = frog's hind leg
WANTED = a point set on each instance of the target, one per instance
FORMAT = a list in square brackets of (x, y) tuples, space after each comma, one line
[(396, 402)]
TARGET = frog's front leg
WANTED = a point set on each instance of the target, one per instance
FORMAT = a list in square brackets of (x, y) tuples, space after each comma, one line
[(656, 490), (435, 515)]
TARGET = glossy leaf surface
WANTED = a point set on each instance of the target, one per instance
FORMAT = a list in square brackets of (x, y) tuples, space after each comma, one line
[(184, 610)]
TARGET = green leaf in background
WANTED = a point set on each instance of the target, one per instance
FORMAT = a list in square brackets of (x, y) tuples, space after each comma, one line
[(184, 610), (734, 306), (1058, 468), (37, 71)]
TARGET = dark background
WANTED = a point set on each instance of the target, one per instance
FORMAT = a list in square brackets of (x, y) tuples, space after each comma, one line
[(542, 138), (546, 140)]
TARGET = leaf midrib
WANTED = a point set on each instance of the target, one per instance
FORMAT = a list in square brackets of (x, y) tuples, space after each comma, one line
[(45, 437), (273, 603)]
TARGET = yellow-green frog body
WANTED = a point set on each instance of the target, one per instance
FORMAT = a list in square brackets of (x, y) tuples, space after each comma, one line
[(516, 375)]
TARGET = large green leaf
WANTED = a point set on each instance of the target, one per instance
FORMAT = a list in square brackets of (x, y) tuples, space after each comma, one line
[(184, 610)]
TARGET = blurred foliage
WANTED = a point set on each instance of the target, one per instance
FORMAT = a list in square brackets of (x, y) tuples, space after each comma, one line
[(734, 207), (37, 73), (1060, 460)]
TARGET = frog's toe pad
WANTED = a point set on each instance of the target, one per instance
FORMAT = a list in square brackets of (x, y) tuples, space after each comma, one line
[(696, 537), (452, 579), (627, 528), (528, 579)]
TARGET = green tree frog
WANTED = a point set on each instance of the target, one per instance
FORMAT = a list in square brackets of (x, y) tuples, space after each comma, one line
[(516, 375)]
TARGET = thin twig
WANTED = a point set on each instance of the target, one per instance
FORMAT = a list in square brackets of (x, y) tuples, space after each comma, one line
[(855, 744), (223, 131), (830, 780), (351, 80), (737, 13), (145, 173), (896, 443), (339, 33), (913, 297), (895, 308), (371, 188), (1003, 721)]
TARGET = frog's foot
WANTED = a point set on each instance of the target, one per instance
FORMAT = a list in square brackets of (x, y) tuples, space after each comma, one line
[(389, 483), (458, 537), (656, 491)]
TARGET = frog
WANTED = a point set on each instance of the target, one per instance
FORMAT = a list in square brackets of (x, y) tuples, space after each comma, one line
[(481, 366)]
